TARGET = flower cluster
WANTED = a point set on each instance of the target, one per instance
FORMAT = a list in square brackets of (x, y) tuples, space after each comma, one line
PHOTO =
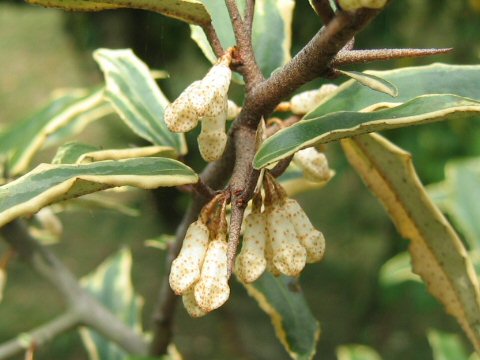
[(314, 164), (281, 239), (351, 5), (200, 272), (308, 100), (206, 101)]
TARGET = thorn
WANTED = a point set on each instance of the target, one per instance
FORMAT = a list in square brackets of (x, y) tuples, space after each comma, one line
[(346, 57)]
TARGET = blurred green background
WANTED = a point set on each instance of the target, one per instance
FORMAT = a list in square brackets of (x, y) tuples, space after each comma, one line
[(42, 50)]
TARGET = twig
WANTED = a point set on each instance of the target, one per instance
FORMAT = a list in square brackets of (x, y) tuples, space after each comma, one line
[(250, 12), (87, 308), (213, 39), (348, 57), (323, 9), (40, 335), (247, 64), (203, 189)]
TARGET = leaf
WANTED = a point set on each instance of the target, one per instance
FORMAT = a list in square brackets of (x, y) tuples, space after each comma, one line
[(21, 141), (48, 183), (77, 153), (282, 299), (356, 352), (422, 110), (111, 284), (459, 196), (190, 11), (397, 270), (411, 82), (271, 34), (373, 82), (438, 255), (136, 97), (446, 346)]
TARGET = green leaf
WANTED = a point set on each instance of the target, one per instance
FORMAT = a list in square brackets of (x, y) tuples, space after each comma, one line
[(22, 141), (282, 299), (342, 124), (190, 11), (111, 284), (48, 183), (459, 195), (136, 97), (438, 255), (397, 270), (78, 153), (356, 352), (411, 82), (446, 346), (373, 82), (271, 35)]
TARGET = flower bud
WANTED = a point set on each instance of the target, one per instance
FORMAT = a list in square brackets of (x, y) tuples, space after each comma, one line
[(314, 164), (186, 267), (212, 138), (309, 237), (233, 110), (351, 5), (308, 100), (212, 94), (289, 256), (212, 290), (191, 305), (250, 263), (181, 116)]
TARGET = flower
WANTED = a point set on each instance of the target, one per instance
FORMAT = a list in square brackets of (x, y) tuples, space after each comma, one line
[(186, 267), (308, 100), (314, 164), (205, 100)]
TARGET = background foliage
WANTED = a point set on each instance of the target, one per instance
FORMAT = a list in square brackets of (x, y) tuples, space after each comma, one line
[(42, 50)]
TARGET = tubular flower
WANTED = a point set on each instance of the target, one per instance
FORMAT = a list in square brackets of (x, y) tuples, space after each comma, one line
[(186, 267), (212, 138), (350, 5), (251, 263), (308, 100), (212, 290), (233, 110), (289, 256), (207, 101), (191, 305), (311, 239), (314, 164)]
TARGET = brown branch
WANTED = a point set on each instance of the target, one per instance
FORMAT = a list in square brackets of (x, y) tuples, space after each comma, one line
[(311, 62), (324, 10), (246, 63), (348, 57), (250, 12), (85, 306), (213, 39)]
